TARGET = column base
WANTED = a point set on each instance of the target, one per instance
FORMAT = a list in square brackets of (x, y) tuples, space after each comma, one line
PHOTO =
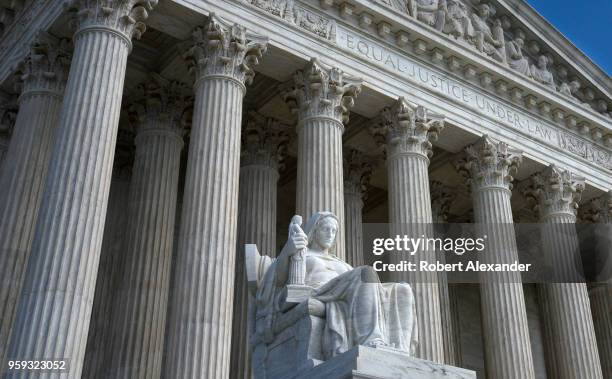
[(363, 362)]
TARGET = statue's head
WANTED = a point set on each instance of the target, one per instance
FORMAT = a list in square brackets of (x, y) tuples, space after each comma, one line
[(574, 85), (322, 229), (484, 10), (542, 61)]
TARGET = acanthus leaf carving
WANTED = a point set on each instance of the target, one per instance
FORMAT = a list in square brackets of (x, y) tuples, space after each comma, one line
[(222, 49), (404, 128), (321, 91), (554, 191), (46, 66), (264, 141), (358, 168), (123, 16)]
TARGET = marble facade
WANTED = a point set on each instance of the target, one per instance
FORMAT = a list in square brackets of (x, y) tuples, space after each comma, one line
[(144, 142)]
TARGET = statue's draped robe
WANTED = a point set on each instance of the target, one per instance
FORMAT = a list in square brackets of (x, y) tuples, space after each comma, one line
[(358, 310)]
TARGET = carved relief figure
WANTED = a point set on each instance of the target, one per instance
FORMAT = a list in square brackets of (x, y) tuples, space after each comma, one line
[(357, 308), (541, 73), (488, 40), (431, 12), (458, 22), (516, 59), (570, 89)]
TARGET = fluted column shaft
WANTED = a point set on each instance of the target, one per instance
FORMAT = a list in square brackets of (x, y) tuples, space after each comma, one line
[(441, 199), (256, 224), (601, 308), (97, 353), (570, 335), (490, 167), (504, 316), (55, 306), (353, 208), (139, 311), (319, 173), (410, 205), (22, 178), (600, 293), (201, 323), (199, 335)]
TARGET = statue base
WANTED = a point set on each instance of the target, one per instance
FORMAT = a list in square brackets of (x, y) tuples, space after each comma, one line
[(363, 362)]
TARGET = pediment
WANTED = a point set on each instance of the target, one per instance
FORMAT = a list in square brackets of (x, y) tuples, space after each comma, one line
[(514, 34)]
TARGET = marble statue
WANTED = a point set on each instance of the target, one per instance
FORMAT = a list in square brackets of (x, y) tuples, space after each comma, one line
[(431, 12), (516, 59), (540, 73), (343, 306), (488, 40), (458, 22)]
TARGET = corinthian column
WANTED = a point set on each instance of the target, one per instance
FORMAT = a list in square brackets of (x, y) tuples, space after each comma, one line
[(59, 285), (200, 327), (321, 97), (441, 198), (571, 346), (263, 144), (139, 309), (406, 132), (600, 293), (22, 175), (357, 172), (489, 166)]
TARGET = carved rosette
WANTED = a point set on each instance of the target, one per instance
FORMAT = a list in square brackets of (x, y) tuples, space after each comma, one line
[(441, 198), (264, 142), (46, 67), (599, 210), (489, 164), (125, 17), (320, 91), (160, 106), (406, 129), (555, 191), (358, 169), (221, 49)]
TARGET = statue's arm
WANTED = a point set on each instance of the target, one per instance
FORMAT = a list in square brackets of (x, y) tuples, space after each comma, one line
[(282, 263)]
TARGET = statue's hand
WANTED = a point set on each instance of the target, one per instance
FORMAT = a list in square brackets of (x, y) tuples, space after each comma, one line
[(299, 240)]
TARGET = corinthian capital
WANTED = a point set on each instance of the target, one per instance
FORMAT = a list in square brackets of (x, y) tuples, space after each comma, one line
[(45, 68), (221, 49), (358, 169), (489, 164), (123, 16), (404, 128), (160, 104), (555, 191), (264, 141), (441, 198), (599, 210), (320, 91)]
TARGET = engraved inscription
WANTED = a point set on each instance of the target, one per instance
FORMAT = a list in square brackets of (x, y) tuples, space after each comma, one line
[(480, 102)]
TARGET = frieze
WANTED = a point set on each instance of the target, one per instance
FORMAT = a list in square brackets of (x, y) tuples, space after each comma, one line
[(304, 18), (478, 101)]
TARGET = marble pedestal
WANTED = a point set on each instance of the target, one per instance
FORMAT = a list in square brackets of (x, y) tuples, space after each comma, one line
[(383, 363)]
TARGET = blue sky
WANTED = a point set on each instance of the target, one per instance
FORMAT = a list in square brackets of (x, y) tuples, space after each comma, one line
[(587, 23)]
